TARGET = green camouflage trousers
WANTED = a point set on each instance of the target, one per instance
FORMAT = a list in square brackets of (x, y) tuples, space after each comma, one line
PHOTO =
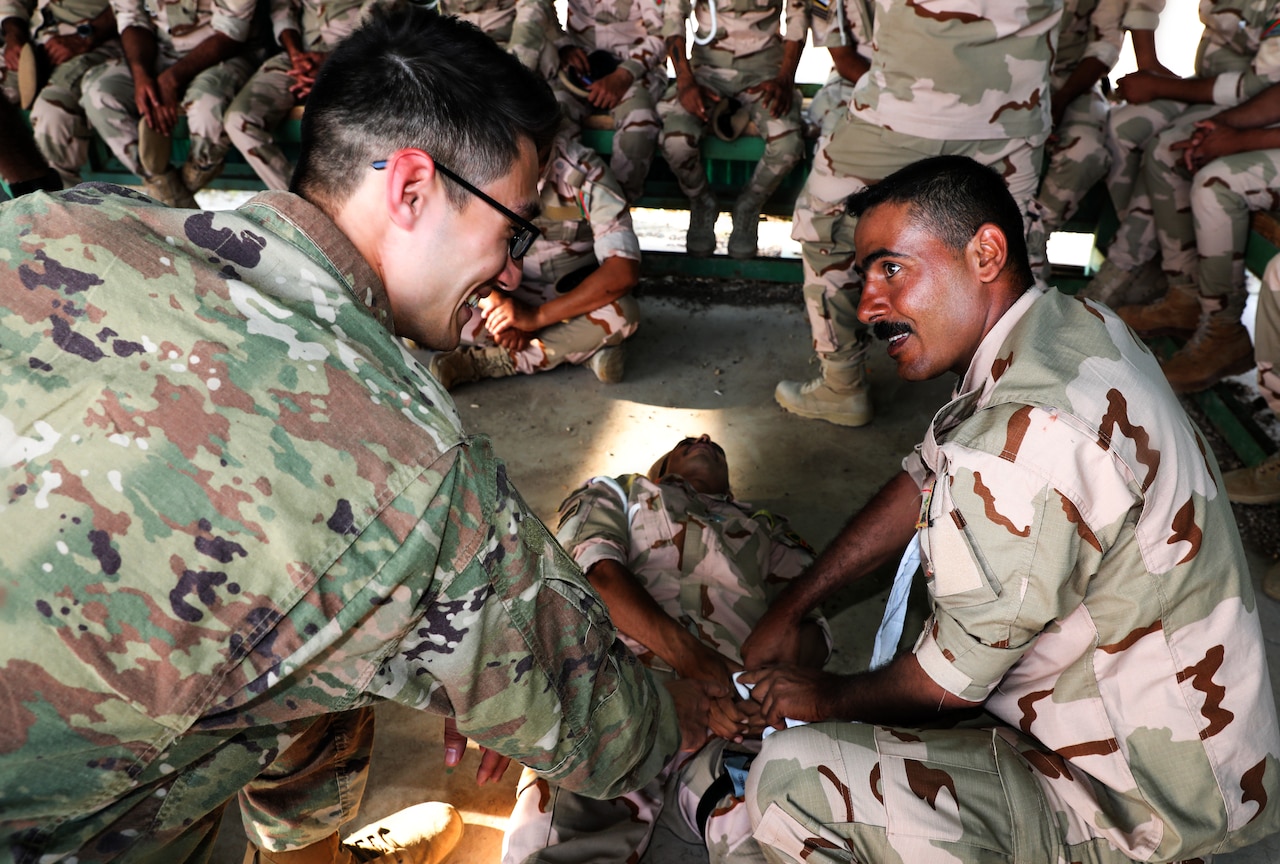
[(254, 114), (108, 102), (1078, 159), (853, 792), (1132, 131), (1266, 336), (1223, 195), (550, 825), (61, 131), (635, 130), (783, 136), (854, 156), (572, 341)]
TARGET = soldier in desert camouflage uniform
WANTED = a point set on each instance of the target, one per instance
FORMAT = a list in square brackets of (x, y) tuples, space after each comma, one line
[(238, 508), (1086, 580), (685, 571), (843, 27), (529, 29), (1089, 42), (568, 300), (189, 56), (1238, 57), (630, 30), (307, 30), (748, 59), (1236, 168), (945, 77)]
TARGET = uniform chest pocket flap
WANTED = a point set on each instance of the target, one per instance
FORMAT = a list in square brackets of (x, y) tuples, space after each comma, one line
[(956, 571)]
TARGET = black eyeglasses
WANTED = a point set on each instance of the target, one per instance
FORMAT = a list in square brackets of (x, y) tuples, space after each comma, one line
[(526, 231)]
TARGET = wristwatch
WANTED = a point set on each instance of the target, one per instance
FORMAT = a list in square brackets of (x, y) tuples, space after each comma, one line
[(85, 31)]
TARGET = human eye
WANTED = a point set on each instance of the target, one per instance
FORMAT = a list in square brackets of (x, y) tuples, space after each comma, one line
[(891, 269)]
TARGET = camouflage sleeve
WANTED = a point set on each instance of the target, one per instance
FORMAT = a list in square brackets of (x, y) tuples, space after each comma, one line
[(232, 18), (612, 233), (579, 26), (648, 52), (795, 20), (594, 524), (1005, 551), (132, 13), (536, 24), (17, 9), (675, 14), (521, 651), (789, 556), (1142, 14), (1106, 32), (285, 16), (1232, 88)]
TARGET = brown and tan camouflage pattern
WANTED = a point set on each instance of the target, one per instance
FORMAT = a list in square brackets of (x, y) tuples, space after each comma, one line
[(529, 29), (1087, 584), (236, 504)]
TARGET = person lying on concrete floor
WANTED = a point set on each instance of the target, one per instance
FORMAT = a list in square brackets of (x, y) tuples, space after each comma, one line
[(686, 571), (568, 300), (239, 514), (1086, 579)]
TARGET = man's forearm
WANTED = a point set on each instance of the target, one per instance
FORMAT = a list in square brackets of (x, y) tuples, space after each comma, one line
[(900, 693), (791, 51), (612, 279), (139, 51), (636, 613), (1262, 110), (210, 52), (848, 62)]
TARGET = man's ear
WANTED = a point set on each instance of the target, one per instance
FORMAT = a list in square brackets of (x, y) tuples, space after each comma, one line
[(411, 186), (990, 250)]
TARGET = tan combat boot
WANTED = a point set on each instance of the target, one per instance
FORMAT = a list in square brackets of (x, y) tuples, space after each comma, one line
[(167, 188), (1177, 313), (1218, 350), (839, 395), (1257, 485), (1115, 287), (422, 834), (700, 241), (196, 177), (744, 239), (471, 363), (153, 150), (608, 363)]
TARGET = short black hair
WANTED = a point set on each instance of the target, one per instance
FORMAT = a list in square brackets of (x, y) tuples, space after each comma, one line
[(953, 196), (413, 78)]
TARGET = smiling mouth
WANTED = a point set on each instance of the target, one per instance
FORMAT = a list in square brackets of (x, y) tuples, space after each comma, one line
[(473, 299)]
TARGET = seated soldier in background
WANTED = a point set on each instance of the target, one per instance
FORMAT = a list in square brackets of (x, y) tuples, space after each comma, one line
[(570, 303), (48, 47), (528, 29), (307, 30), (843, 27), (685, 571)]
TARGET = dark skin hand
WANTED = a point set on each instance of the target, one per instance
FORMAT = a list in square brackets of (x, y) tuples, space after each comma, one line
[(695, 98), (778, 94), (303, 64), (16, 34)]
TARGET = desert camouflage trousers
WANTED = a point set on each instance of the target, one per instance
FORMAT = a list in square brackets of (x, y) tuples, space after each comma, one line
[(107, 100), (856, 155), (61, 131), (1143, 180), (1266, 336), (1078, 158), (254, 114), (783, 136), (572, 341), (851, 792), (635, 130), (829, 104), (550, 825), (1223, 195)]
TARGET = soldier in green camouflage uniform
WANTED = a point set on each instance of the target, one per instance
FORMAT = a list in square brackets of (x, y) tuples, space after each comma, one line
[(1236, 171), (843, 27), (307, 30), (192, 55), (568, 300), (630, 30), (1086, 580), (685, 571), (238, 507), (1089, 42), (529, 29), (74, 36), (945, 77), (749, 59), (1238, 57)]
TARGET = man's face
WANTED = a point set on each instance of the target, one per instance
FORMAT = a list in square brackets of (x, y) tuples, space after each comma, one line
[(920, 295), (462, 257), (702, 463)]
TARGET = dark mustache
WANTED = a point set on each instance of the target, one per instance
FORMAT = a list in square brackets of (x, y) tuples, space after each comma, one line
[(885, 330)]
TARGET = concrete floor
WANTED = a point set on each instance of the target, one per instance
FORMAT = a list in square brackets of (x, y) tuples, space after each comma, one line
[(691, 368)]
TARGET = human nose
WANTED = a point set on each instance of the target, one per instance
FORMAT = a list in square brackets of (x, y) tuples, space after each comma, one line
[(871, 304), (509, 278)]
